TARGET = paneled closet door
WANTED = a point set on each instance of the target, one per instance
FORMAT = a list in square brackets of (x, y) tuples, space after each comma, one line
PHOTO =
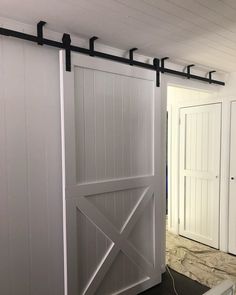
[(232, 184), (200, 135), (112, 177)]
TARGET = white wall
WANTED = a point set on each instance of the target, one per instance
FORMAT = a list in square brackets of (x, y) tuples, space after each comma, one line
[(30, 170), (31, 244), (179, 97)]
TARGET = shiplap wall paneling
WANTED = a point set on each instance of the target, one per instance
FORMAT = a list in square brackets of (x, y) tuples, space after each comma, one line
[(112, 191), (232, 182), (200, 135), (30, 165)]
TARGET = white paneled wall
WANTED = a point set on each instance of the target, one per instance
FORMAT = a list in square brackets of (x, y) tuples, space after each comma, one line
[(31, 237), (30, 171)]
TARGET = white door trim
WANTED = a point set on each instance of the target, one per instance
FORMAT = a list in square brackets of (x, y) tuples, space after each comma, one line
[(231, 204)]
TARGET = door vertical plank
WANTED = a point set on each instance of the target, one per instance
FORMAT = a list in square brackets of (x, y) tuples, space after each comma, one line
[(232, 185), (5, 282), (89, 131), (80, 125)]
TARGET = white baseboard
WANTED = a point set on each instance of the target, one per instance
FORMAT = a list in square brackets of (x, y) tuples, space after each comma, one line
[(227, 287)]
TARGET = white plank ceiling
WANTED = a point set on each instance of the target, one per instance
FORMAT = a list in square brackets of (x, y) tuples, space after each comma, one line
[(198, 31)]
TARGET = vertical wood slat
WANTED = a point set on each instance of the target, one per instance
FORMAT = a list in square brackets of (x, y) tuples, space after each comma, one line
[(88, 125), (127, 117), (36, 157), (100, 132), (80, 121), (16, 161), (5, 282), (109, 124), (232, 182), (118, 127)]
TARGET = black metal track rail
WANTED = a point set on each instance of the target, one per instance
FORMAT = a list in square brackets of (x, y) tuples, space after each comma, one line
[(157, 66)]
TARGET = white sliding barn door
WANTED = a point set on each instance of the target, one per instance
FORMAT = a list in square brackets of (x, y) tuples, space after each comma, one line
[(232, 185), (200, 134), (113, 220)]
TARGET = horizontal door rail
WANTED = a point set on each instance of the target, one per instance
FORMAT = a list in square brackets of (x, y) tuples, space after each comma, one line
[(158, 65)]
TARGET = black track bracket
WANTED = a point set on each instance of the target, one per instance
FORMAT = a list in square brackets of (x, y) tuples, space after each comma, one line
[(156, 64), (189, 70), (163, 63), (91, 45), (66, 40), (40, 26), (210, 76), (131, 55)]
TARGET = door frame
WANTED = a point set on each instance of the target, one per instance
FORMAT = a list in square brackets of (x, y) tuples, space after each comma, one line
[(173, 117), (231, 249)]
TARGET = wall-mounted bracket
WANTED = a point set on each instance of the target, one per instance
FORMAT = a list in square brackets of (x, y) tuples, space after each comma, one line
[(40, 26), (156, 64), (210, 76), (131, 55), (91, 45), (163, 63), (188, 70), (66, 40)]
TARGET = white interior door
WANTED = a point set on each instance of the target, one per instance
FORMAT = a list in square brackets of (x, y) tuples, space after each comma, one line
[(200, 134), (111, 188), (232, 185)]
